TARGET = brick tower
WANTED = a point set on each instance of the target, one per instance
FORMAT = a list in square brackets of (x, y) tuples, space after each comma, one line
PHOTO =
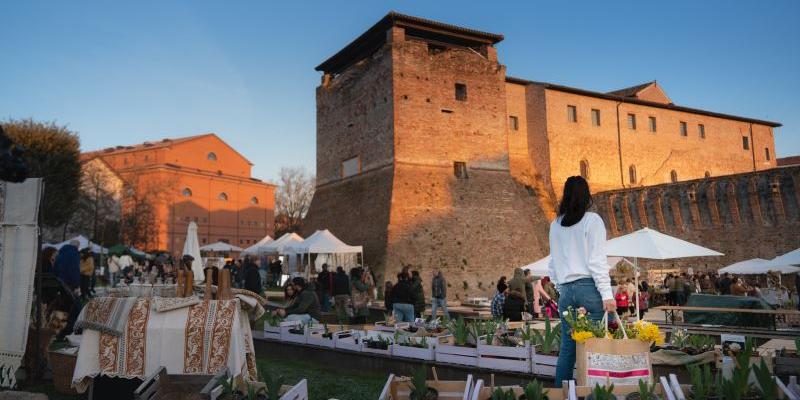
[(413, 156)]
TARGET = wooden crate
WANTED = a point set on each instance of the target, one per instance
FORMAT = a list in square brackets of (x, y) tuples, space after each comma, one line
[(398, 388), (504, 358), (63, 366), (543, 364), (375, 335), (348, 340), (447, 352), (427, 353), (314, 336), (292, 337), (274, 332), (162, 386), (484, 392), (785, 366)]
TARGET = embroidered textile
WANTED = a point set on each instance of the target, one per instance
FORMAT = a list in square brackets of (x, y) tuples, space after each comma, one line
[(106, 314)]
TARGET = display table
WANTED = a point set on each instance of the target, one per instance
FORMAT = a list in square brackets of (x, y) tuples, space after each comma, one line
[(195, 339)]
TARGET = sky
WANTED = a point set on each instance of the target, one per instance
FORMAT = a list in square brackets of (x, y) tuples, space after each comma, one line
[(125, 72)]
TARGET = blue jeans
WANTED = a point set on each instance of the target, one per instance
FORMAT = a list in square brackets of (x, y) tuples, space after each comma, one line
[(403, 312), (326, 301), (435, 304), (580, 293)]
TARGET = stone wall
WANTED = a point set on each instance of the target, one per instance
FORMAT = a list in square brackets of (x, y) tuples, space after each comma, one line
[(743, 215)]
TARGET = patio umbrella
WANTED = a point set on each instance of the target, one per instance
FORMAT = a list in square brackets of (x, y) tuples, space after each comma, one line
[(221, 247), (757, 266), (540, 267), (790, 258), (652, 244), (192, 247)]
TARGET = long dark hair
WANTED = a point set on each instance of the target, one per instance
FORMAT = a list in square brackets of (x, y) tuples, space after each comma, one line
[(575, 201)]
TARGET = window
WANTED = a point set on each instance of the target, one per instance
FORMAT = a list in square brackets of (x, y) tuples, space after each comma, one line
[(222, 196), (632, 122), (652, 123), (632, 174), (766, 153), (673, 176), (572, 114), (584, 169), (204, 240), (460, 170), (513, 122), (461, 92), (351, 166), (254, 200), (684, 132), (187, 192), (212, 156), (701, 129), (595, 117), (707, 174), (745, 143)]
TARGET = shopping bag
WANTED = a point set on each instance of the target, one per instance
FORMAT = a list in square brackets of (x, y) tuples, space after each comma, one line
[(618, 361)]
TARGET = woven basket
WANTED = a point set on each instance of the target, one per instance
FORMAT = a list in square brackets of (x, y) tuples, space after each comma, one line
[(63, 366)]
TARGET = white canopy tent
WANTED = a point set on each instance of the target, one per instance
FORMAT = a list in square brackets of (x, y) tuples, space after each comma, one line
[(540, 267), (334, 251), (652, 244), (192, 247), (791, 258), (757, 266), (256, 248), (221, 247), (279, 245), (84, 243)]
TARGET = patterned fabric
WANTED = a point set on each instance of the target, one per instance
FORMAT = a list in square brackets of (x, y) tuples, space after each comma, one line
[(162, 304), (208, 335), (106, 314), (124, 355), (497, 304)]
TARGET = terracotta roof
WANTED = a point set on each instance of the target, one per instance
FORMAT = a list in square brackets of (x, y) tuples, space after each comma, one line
[(630, 91), (166, 142), (633, 100), (791, 160), (375, 37)]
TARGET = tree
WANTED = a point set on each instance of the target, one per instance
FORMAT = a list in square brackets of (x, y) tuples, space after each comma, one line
[(97, 213), (142, 196), (295, 190), (52, 152)]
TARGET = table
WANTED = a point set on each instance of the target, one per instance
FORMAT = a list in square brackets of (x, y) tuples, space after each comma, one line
[(777, 315)]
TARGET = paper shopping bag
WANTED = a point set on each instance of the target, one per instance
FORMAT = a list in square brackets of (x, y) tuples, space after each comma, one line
[(617, 361)]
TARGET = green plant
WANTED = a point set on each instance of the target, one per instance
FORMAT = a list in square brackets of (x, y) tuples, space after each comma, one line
[(273, 383), (272, 319), (738, 387), (458, 328), (500, 394), (679, 339), (488, 328), (701, 342), (702, 381), (419, 385), (227, 384), (534, 390), (603, 392), (253, 392), (647, 391), (767, 388), (549, 340)]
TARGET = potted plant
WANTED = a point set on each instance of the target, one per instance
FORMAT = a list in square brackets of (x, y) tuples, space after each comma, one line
[(500, 351), (419, 386), (738, 386), (545, 347), (646, 392), (534, 390), (272, 326), (602, 393), (702, 381), (503, 394), (322, 337), (418, 347), (459, 346), (294, 333)]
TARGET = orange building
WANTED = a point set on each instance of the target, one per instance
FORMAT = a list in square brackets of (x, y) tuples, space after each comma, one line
[(197, 178)]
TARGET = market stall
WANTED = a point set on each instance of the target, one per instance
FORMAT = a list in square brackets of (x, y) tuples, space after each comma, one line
[(257, 249), (323, 247)]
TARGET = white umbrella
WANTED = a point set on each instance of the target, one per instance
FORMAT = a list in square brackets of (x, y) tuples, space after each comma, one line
[(790, 258), (192, 248), (540, 267), (256, 248), (757, 266), (652, 244), (221, 246)]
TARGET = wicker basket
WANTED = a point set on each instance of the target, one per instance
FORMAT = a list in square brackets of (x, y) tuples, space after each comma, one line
[(63, 366)]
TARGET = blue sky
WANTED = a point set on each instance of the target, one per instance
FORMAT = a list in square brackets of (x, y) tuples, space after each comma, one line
[(126, 72)]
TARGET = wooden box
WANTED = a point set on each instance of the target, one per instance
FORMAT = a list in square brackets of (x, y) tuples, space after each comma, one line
[(504, 358), (348, 340), (447, 352), (376, 335), (418, 353), (274, 332), (398, 388)]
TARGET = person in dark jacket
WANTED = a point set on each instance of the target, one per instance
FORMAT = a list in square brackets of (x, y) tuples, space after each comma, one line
[(236, 278), (419, 294), (325, 287), (275, 272), (305, 308), (514, 306), (529, 295), (252, 279), (725, 284), (387, 296), (341, 293), (48, 259), (439, 294), (403, 299), (68, 265)]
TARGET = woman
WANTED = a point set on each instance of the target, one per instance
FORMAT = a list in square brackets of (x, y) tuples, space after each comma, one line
[(738, 289), (360, 296), (87, 270), (578, 265), (288, 294), (48, 259), (539, 294), (622, 299), (387, 296), (644, 300), (403, 298), (369, 279)]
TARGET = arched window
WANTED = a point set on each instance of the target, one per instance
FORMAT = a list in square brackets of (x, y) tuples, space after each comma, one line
[(585, 169), (187, 192), (223, 196), (212, 156), (632, 174), (254, 200), (708, 174), (673, 176)]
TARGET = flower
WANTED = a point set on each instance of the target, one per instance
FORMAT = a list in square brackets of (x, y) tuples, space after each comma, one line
[(647, 332), (582, 336), (565, 313)]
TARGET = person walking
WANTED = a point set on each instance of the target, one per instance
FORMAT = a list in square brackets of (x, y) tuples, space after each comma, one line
[(517, 283), (252, 279), (578, 266), (644, 300), (360, 296), (341, 293), (87, 270), (67, 265), (539, 295), (419, 294), (325, 287), (403, 299), (439, 294)]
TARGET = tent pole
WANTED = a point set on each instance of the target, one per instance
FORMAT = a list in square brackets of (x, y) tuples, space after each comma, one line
[(636, 282)]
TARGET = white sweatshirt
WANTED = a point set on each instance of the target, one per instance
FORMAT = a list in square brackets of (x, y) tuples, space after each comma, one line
[(579, 251)]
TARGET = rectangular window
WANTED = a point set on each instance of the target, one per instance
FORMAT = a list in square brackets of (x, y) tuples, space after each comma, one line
[(595, 117), (572, 114), (684, 131), (701, 129), (745, 143), (461, 92), (460, 170), (513, 122), (766, 154), (652, 123), (351, 166), (632, 122)]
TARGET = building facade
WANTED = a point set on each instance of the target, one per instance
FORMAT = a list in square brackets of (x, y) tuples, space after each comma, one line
[(429, 155), (200, 179)]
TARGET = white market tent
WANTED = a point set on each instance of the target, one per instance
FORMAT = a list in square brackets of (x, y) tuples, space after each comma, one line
[(192, 247), (540, 267), (791, 258), (256, 248), (279, 245), (221, 247), (323, 242), (652, 244), (757, 266), (84, 243)]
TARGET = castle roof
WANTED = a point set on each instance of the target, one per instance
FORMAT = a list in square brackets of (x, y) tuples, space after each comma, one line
[(631, 91), (166, 142), (635, 100), (375, 37)]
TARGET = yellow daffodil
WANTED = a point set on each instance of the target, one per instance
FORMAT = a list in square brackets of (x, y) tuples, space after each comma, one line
[(580, 337)]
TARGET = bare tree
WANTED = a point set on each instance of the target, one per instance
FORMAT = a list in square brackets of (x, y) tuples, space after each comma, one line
[(98, 208), (295, 190), (141, 199)]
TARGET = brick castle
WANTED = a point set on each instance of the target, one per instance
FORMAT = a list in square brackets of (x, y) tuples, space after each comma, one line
[(428, 154)]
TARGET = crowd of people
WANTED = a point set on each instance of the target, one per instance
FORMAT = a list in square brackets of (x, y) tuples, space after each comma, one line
[(524, 294)]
